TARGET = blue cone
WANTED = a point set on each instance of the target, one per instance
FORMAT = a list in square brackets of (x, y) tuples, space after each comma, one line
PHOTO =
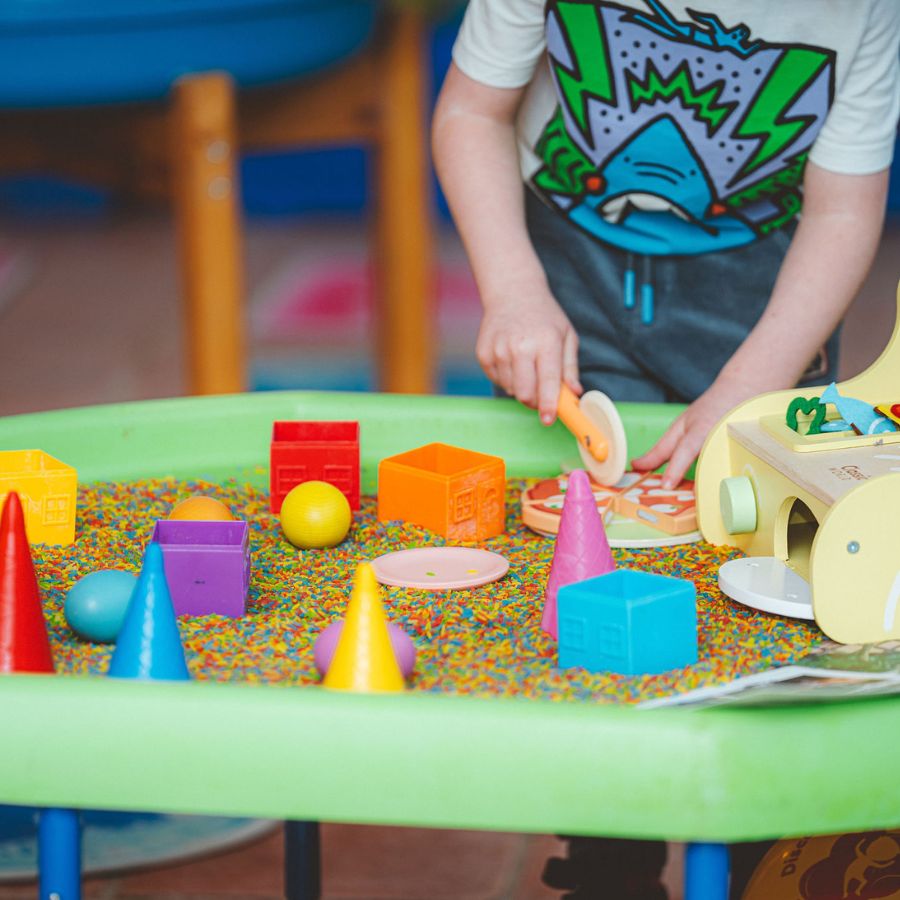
[(149, 645)]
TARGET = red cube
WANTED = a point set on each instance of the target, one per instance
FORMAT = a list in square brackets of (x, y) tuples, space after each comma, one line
[(314, 451)]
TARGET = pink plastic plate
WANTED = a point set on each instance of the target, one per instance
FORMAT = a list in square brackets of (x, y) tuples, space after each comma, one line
[(440, 568)]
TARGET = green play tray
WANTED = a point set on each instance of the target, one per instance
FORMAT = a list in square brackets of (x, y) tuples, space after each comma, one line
[(414, 759)]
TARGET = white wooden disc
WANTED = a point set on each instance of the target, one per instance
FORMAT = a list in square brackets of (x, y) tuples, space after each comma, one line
[(603, 413), (767, 584)]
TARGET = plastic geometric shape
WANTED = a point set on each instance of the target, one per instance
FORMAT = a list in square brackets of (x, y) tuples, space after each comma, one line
[(24, 645), (314, 451), (315, 515), (200, 508), (401, 643), (207, 565), (149, 646), (48, 490), (457, 493), (364, 659), (673, 510), (629, 622), (581, 551), (96, 604)]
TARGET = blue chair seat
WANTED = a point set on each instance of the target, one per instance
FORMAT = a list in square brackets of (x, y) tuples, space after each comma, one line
[(77, 52)]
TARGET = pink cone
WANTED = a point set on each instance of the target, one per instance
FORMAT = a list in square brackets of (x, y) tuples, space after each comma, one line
[(582, 550)]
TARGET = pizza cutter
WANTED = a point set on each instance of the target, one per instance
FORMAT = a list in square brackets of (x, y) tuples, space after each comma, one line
[(595, 423)]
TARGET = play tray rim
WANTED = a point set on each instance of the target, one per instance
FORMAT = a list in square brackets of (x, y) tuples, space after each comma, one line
[(424, 759)]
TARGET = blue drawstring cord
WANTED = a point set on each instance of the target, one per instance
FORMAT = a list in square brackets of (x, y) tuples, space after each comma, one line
[(647, 296), (630, 281), (647, 293)]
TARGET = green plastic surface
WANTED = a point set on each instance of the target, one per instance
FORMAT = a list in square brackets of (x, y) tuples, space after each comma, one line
[(415, 759)]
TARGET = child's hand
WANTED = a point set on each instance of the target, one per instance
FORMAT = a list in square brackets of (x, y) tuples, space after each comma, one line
[(527, 346), (684, 438)]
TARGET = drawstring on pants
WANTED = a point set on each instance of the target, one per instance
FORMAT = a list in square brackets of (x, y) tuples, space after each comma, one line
[(629, 282), (647, 293), (630, 287)]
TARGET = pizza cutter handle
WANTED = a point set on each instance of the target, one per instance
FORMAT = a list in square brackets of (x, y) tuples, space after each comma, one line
[(585, 431)]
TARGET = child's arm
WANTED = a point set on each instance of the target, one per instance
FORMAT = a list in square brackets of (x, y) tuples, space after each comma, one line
[(526, 343), (822, 271)]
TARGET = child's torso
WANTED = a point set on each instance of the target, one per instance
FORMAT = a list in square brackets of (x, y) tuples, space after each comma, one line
[(670, 128)]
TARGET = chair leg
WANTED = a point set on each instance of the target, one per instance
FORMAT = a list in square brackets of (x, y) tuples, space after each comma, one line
[(406, 351), (204, 148), (302, 877)]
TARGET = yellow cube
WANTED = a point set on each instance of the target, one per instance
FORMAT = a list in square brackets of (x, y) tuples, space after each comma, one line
[(48, 490)]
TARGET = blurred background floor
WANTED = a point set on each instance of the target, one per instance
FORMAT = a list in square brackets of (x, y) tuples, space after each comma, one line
[(359, 863)]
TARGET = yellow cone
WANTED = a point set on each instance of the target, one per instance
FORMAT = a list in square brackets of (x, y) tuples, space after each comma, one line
[(364, 659)]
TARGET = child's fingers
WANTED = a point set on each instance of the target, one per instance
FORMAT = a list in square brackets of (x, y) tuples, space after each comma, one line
[(502, 355), (525, 377), (570, 361), (505, 377), (487, 358), (682, 457), (549, 375), (662, 449)]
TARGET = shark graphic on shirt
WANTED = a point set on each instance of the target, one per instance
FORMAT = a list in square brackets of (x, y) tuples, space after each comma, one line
[(676, 137)]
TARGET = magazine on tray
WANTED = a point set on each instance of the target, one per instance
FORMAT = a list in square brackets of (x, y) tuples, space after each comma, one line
[(828, 672)]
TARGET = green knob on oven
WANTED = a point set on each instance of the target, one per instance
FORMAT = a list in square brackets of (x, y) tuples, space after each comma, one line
[(737, 503)]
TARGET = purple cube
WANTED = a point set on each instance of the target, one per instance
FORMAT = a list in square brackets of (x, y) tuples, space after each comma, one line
[(207, 565)]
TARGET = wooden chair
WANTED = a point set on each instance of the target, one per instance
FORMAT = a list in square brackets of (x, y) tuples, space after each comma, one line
[(187, 149)]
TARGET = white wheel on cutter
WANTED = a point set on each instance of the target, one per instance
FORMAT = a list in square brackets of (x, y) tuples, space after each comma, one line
[(603, 413)]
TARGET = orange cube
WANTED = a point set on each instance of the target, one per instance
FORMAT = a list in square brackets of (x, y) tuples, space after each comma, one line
[(457, 493)]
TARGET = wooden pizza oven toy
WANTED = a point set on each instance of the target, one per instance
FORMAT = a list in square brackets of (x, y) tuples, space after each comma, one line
[(818, 514)]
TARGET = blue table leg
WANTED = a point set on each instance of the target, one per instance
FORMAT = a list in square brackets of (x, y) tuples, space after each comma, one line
[(706, 872), (59, 854), (302, 877)]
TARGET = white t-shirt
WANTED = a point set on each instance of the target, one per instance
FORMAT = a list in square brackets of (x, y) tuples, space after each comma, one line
[(672, 127)]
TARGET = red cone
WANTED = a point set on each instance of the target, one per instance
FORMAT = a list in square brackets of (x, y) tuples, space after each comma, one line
[(24, 645)]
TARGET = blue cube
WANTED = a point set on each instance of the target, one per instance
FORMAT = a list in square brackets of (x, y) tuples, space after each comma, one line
[(630, 622)]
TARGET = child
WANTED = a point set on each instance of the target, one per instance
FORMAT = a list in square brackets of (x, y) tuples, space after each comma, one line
[(657, 252)]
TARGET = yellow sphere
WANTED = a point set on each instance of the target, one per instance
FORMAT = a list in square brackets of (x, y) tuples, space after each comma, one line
[(201, 509), (315, 514)]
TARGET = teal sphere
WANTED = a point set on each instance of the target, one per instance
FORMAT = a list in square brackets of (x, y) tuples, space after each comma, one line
[(96, 604)]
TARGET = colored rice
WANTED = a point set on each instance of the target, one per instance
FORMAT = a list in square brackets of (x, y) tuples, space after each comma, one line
[(486, 641)]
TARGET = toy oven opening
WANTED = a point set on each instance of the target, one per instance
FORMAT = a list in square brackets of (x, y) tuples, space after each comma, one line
[(795, 529)]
